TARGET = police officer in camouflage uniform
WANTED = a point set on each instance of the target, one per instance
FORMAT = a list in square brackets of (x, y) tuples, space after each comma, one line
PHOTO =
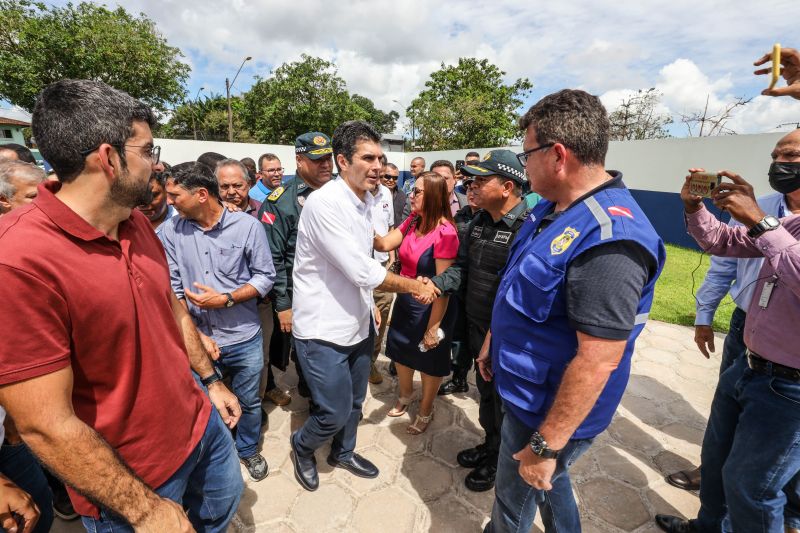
[(280, 214), (482, 253)]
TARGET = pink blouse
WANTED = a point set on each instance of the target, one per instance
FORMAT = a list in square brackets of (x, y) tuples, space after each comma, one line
[(444, 239)]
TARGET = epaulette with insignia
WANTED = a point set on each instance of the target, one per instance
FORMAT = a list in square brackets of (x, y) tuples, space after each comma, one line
[(273, 197)]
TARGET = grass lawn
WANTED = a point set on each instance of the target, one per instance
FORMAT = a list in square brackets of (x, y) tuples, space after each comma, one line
[(674, 300)]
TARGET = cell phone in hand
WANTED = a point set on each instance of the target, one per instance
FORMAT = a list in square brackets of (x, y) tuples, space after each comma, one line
[(776, 65), (704, 183)]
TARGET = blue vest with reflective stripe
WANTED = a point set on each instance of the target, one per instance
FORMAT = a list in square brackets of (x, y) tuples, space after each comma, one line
[(532, 341)]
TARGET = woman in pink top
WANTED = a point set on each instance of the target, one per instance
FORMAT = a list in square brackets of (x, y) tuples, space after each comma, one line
[(428, 244)]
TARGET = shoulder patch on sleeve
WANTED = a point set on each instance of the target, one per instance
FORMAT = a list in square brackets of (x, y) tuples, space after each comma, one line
[(274, 195)]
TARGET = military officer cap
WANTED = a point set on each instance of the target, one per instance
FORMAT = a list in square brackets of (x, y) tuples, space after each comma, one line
[(313, 145), (497, 162)]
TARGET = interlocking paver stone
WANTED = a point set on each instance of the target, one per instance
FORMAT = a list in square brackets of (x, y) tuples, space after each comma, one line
[(619, 481), (615, 503), (328, 507), (386, 511), (425, 477)]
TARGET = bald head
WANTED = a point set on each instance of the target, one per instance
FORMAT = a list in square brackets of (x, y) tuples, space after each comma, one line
[(788, 148), (417, 166), (18, 182)]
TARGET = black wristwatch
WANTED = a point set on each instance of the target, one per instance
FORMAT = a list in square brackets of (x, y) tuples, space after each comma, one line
[(213, 378), (764, 225), (230, 301), (540, 448)]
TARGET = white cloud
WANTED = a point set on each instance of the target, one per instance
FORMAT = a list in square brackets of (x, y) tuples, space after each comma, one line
[(386, 49), (685, 90)]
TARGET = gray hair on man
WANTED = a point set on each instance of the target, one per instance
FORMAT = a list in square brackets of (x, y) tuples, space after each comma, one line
[(232, 163), (11, 169)]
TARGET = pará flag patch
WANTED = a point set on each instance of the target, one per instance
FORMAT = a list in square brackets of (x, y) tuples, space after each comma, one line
[(619, 211), (268, 218)]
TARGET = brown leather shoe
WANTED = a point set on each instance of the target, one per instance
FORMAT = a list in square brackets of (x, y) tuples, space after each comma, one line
[(278, 397), (685, 479)]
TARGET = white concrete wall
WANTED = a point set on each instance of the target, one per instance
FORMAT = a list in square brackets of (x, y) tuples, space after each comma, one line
[(175, 151), (660, 164)]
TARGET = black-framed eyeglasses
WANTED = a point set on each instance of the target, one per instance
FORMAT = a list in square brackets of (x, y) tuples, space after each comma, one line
[(153, 153), (415, 191), (390, 177), (523, 157)]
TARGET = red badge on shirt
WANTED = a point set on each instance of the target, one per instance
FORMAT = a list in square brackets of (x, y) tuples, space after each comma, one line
[(269, 218), (619, 211)]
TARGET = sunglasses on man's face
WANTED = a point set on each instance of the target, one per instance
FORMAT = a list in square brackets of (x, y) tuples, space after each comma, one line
[(390, 177)]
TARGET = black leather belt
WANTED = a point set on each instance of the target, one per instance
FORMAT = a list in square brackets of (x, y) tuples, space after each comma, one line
[(761, 366)]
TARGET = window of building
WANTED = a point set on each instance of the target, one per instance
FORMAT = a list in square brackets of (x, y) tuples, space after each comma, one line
[(7, 134)]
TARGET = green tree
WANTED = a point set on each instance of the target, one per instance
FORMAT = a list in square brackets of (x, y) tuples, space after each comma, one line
[(40, 44), (466, 105), (383, 122), (305, 95), (207, 120), (636, 118)]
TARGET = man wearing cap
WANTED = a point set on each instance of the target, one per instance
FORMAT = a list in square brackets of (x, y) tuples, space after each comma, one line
[(280, 214), (573, 297), (497, 184)]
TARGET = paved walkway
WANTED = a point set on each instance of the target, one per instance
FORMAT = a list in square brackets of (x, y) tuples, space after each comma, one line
[(619, 482)]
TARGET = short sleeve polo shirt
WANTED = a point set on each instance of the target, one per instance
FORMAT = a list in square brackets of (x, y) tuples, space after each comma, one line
[(74, 297)]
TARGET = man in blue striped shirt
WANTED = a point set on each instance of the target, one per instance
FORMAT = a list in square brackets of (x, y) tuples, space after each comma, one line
[(220, 264)]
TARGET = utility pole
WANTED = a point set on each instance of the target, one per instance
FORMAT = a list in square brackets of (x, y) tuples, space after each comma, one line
[(191, 104), (228, 85)]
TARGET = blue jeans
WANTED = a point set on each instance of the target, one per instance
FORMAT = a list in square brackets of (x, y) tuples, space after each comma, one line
[(337, 377), (19, 465), (734, 348), (208, 485), (516, 502), (243, 363), (751, 450)]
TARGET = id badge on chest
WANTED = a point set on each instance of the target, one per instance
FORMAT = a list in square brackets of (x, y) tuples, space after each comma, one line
[(766, 292)]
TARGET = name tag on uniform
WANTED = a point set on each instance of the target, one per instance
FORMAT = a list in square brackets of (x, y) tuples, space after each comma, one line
[(766, 292), (476, 232), (502, 237)]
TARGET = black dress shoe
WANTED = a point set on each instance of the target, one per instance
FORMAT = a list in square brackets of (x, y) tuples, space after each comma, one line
[(482, 478), (674, 524), (356, 465), (473, 457), (453, 386), (305, 468)]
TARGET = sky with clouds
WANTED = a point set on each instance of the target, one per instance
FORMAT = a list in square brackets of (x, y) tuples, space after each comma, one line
[(689, 50)]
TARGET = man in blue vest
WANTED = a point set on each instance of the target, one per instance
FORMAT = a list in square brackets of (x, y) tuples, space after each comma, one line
[(575, 294)]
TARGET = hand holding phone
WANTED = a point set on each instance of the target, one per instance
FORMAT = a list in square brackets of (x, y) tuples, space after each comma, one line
[(703, 183)]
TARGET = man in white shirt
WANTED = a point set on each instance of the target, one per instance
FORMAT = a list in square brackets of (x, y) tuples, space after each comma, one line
[(382, 221), (333, 321)]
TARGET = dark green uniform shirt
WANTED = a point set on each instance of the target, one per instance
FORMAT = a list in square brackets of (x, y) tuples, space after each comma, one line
[(280, 214)]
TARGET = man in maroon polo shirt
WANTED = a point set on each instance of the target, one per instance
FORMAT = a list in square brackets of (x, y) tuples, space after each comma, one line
[(97, 379)]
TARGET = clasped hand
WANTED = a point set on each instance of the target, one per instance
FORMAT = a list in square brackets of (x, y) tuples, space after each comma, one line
[(427, 291)]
